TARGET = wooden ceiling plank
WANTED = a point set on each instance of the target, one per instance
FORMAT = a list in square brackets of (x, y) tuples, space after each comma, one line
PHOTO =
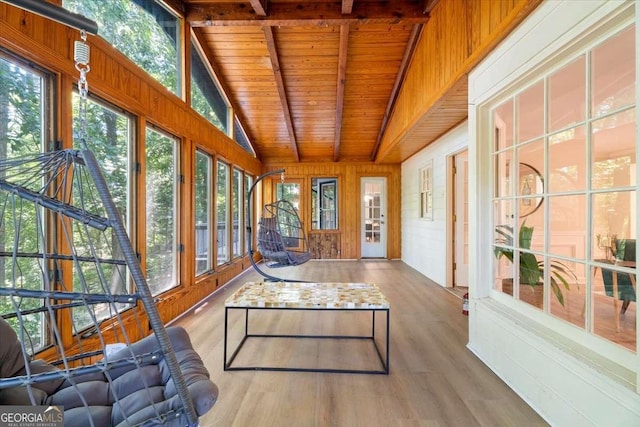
[(342, 76), (408, 54), (273, 54), (307, 14)]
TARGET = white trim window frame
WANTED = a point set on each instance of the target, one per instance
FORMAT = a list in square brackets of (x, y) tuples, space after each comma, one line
[(588, 263), (425, 186)]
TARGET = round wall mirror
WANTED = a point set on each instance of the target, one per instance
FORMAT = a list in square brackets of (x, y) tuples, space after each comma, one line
[(530, 187)]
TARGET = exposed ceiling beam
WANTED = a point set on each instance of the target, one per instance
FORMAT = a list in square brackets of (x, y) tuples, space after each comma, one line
[(275, 63), (259, 6), (429, 5), (342, 75), (304, 14), (347, 6), (408, 54)]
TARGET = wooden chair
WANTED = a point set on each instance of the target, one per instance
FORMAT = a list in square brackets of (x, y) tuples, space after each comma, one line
[(620, 285)]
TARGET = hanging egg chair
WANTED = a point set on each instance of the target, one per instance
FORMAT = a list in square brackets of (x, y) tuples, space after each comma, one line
[(281, 238)]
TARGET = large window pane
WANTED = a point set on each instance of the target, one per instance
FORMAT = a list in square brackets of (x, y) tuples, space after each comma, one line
[(108, 136), (206, 97), (567, 95), (23, 125), (144, 30), (613, 74), (222, 231), (203, 212), (614, 151), (22, 101), (613, 218), (567, 223), (236, 213), (161, 202), (530, 116), (567, 161)]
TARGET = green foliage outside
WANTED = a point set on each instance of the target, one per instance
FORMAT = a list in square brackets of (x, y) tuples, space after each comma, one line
[(136, 33), (21, 134), (161, 207)]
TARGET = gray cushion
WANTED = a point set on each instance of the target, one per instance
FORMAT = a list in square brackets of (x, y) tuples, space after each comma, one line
[(128, 395), (118, 397)]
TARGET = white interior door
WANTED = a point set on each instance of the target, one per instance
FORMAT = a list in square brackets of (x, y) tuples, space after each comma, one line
[(461, 225), (374, 223)]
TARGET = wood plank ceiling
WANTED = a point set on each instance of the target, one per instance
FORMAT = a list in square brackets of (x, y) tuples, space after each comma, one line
[(310, 80)]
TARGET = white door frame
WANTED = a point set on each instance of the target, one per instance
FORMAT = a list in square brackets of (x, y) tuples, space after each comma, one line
[(450, 232), (378, 250)]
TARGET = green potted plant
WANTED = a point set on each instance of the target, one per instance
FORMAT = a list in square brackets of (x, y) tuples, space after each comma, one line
[(531, 270)]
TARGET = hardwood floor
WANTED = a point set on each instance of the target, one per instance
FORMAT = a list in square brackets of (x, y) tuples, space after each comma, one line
[(434, 380)]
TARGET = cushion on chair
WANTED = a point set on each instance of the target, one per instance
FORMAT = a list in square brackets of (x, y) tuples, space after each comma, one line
[(119, 396), (625, 288), (625, 250), (122, 396)]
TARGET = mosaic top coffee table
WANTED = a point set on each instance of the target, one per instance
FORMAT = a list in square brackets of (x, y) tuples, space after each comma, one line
[(308, 296)]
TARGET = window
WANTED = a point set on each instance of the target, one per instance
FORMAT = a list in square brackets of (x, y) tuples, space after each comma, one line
[(289, 191), (324, 203), (564, 156), (24, 130), (426, 191), (206, 97), (203, 212), (109, 136), (241, 137), (161, 209), (248, 182), (236, 213), (144, 30), (222, 231)]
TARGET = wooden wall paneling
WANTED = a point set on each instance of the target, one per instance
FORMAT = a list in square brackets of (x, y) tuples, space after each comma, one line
[(439, 54), (349, 174), (458, 35)]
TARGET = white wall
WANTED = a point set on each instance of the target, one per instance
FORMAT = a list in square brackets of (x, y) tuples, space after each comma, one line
[(424, 241), (567, 379)]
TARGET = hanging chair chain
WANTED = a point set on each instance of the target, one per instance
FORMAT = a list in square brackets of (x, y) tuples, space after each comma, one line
[(81, 57)]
